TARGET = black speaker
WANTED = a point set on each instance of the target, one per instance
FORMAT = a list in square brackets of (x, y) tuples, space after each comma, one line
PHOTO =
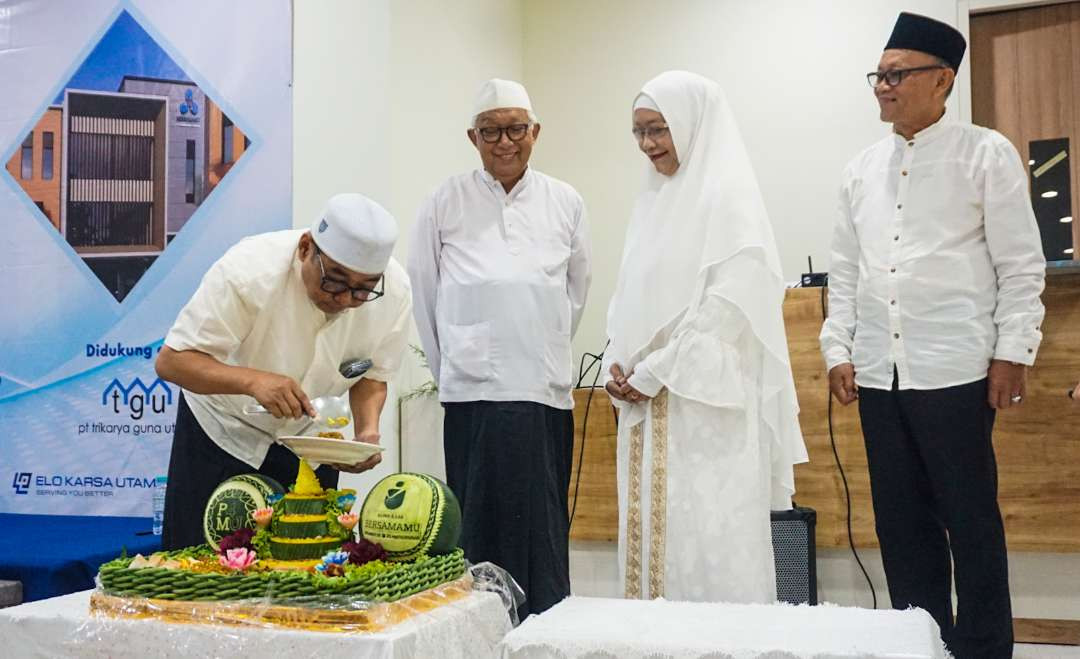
[(794, 542)]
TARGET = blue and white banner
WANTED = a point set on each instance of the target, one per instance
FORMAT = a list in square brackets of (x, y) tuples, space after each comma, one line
[(141, 139)]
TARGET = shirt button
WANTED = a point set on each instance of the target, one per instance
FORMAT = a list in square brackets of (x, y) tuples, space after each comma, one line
[(892, 269), (903, 173), (1030, 351), (899, 206), (896, 335), (892, 302), (912, 143), (896, 237)]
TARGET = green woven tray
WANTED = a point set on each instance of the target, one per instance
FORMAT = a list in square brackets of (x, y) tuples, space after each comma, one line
[(278, 586)]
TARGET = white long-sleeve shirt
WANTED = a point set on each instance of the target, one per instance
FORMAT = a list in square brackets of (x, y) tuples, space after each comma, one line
[(937, 264), (499, 283)]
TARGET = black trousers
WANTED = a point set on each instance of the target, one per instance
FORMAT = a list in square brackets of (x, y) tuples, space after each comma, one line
[(197, 466), (509, 465), (933, 478)]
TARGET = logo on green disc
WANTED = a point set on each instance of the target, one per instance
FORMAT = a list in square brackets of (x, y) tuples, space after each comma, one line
[(410, 515), (395, 496), (230, 507)]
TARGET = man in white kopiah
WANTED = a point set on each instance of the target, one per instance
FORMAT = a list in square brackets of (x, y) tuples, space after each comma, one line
[(272, 322), (934, 315), (698, 360), (499, 264)]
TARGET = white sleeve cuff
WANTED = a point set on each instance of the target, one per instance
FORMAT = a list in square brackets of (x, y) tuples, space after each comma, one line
[(836, 356), (1016, 350), (644, 381)]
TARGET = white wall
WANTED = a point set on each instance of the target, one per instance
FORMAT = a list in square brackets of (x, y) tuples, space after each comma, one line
[(341, 103), (440, 53)]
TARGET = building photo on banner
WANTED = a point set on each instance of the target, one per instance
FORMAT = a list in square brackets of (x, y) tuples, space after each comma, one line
[(138, 147), (693, 329)]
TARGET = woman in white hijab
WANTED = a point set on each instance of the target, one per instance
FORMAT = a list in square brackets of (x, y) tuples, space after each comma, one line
[(698, 360)]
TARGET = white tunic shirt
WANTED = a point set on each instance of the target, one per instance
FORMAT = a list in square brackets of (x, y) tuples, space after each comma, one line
[(252, 310), (937, 265), (499, 283)]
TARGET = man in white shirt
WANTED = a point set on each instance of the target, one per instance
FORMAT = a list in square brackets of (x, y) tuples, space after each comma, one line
[(934, 316), (499, 265), (272, 322)]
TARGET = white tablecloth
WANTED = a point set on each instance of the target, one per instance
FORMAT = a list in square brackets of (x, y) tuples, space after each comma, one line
[(631, 629), (63, 627)]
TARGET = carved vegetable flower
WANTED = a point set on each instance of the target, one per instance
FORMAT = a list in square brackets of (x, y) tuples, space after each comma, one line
[(364, 551), (262, 517), (237, 559), (236, 540), (348, 520), (333, 564)]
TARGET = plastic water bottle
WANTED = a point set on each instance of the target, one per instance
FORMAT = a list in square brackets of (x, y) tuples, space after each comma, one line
[(159, 502)]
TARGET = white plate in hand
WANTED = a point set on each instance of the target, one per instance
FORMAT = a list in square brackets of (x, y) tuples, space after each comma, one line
[(330, 451)]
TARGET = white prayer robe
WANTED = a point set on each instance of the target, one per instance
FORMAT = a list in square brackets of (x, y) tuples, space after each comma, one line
[(705, 463), (696, 318)]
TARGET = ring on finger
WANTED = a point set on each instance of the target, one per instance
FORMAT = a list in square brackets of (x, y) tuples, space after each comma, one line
[(1017, 398)]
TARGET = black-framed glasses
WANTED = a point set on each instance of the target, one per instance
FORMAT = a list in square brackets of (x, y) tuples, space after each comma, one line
[(336, 286), (896, 76), (493, 134), (653, 132)]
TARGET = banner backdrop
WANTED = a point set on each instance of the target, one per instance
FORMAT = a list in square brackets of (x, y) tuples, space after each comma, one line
[(141, 139)]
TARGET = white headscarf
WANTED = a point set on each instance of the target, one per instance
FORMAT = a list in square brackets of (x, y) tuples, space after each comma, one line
[(707, 222)]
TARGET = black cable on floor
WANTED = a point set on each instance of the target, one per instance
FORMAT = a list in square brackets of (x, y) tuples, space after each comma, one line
[(843, 476)]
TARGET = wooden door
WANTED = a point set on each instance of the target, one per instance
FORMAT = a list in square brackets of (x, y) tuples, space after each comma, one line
[(1025, 81)]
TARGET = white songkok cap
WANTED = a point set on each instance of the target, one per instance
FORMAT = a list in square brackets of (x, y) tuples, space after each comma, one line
[(356, 232), (496, 94)]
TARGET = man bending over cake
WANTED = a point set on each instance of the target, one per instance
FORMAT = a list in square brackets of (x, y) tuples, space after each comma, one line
[(272, 322)]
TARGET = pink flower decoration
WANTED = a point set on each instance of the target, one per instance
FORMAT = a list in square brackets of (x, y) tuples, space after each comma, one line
[(262, 517), (348, 520), (237, 559)]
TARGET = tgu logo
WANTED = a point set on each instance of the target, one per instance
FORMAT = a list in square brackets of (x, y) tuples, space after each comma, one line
[(136, 396), (22, 482)]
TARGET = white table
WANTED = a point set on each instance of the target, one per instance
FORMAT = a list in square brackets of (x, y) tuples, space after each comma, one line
[(63, 627), (632, 629)]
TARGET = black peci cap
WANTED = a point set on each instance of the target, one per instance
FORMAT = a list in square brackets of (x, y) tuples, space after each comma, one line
[(915, 32)]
